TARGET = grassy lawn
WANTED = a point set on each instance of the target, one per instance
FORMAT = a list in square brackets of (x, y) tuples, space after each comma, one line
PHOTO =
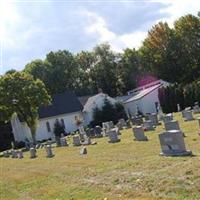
[(125, 170)]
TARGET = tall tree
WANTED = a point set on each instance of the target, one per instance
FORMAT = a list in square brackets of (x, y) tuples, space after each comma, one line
[(187, 29), (104, 72), (129, 69), (39, 69), (63, 71), (85, 61), (160, 53), (21, 94)]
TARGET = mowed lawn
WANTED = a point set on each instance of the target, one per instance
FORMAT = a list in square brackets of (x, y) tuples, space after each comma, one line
[(125, 170)]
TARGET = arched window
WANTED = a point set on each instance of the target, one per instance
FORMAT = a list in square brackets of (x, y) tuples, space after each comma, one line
[(48, 127), (63, 122)]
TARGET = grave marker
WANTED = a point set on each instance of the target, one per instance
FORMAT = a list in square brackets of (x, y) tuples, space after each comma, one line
[(172, 144), (139, 134)]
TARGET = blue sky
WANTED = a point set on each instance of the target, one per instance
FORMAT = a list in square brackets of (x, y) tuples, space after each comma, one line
[(30, 29)]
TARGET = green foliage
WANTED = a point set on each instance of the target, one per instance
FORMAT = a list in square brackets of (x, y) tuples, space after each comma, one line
[(58, 128), (129, 69), (108, 112), (172, 54), (21, 94)]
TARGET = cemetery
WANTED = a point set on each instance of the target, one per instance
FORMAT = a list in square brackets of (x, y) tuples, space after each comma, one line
[(117, 167), (100, 100)]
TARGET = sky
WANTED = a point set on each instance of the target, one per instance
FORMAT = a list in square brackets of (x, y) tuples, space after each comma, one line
[(29, 29)]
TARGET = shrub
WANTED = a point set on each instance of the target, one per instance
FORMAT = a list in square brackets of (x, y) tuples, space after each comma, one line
[(108, 112), (58, 128)]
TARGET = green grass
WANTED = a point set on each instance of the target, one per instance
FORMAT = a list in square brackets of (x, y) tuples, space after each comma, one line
[(125, 170)]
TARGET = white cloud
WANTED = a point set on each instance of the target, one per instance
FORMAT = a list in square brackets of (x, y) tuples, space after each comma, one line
[(178, 8), (99, 27), (8, 17)]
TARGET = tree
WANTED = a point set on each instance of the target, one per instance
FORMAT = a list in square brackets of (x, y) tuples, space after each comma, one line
[(21, 94), (187, 29), (104, 72), (63, 71), (39, 69), (85, 61), (160, 53), (129, 69)]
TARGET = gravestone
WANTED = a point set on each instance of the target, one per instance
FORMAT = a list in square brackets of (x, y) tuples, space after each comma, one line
[(122, 122), (49, 151), (178, 108), (32, 153), (20, 154), (13, 154), (63, 142), (196, 109), (117, 130), (87, 140), (137, 120), (119, 125), (154, 118), (38, 146), (168, 118), (139, 134), (98, 131), (172, 144), (188, 116), (83, 151), (113, 136), (106, 126), (76, 140), (172, 125), (6, 154), (91, 132), (81, 130), (111, 125), (104, 133), (148, 125)]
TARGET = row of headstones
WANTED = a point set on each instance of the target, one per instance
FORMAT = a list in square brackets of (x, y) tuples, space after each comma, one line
[(108, 129), (19, 153), (33, 153), (149, 124)]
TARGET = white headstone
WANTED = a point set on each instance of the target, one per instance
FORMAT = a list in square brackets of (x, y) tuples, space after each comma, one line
[(63, 142), (76, 140), (148, 125), (188, 115), (32, 153), (6, 154), (172, 144), (20, 154), (83, 151), (49, 151), (154, 118), (13, 153), (172, 125), (113, 136), (168, 118), (139, 134)]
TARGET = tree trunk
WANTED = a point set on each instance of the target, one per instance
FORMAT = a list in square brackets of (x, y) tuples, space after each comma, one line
[(33, 128), (33, 138)]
